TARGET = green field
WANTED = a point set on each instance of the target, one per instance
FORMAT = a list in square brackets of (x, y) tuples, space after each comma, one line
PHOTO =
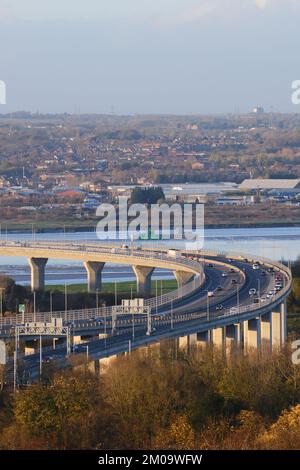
[(163, 287)]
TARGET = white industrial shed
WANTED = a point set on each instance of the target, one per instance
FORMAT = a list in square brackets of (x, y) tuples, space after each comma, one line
[(269, 184)]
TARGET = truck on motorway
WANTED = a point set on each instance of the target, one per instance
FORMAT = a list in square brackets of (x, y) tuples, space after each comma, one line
[(174, 253)]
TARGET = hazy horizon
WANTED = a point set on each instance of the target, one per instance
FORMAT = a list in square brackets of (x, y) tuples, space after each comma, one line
[(180, 57)]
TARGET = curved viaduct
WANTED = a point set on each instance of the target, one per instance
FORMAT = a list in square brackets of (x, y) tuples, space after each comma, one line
[(94, 258), (187, 314)]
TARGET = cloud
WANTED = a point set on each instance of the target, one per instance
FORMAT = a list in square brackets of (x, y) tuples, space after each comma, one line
[(6, 11), (261, 4), (187, 15)]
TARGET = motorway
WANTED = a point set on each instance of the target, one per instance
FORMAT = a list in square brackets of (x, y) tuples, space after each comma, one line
[(194, 313)]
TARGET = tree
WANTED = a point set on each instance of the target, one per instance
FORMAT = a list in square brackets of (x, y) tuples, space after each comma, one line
[(179, 435), (284, 433)]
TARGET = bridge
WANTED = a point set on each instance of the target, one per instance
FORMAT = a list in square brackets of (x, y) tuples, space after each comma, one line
[(229, 300)]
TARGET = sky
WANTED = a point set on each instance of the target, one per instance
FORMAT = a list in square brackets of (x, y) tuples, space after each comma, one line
[(149, 56)]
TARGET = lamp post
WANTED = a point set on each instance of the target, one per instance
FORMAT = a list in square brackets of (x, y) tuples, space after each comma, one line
[(156, 294), (41, 358), (1, 300), (51, 301), (97, 300), (34, 306), (207, 306), (66, 298)]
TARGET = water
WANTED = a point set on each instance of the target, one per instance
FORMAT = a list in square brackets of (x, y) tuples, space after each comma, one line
[(275, 243)]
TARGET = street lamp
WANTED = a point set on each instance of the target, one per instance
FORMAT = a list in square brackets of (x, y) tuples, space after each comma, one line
[(34, 306), (41, 358), (66, 298), (1, 300), (207, 306), (156, 294), (97, 299), (51, 301), (116, 293)]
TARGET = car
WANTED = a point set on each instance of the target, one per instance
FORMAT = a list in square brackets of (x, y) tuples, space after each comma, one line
[(256, 301), (263, 299), (210, 265), (219, 307), (150, 332), (234, 281), (229, 260), (232, 270), (210, 294), (224, 274), (252, 291), (219, 288), (255, 266)]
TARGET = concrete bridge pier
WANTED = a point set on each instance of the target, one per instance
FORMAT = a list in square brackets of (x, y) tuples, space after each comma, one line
[(252, 334), (278, 326), (183, 277), (3, 352), (218, 337), (233, 337), (273, 328), (94, 275), (187, 343), (203, 339), (143, 280), (37, 266), (266, 332)]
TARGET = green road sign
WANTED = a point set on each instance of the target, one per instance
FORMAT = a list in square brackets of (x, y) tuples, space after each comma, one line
[(21, 308)]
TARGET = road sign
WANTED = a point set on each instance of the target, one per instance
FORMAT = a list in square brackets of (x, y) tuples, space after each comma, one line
[(21, 308)]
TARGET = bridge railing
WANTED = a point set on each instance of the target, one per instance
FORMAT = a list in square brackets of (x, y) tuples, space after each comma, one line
[(83, 314)]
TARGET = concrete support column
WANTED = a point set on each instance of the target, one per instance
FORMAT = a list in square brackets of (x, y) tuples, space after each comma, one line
[(37, 266), (188, 342), (233, 337), (143, 280), (252, 334), (278, 327), (203, 338), (94, 274), (266, 331), (217, 337), (183, 277), (94, 367), (3, 352), (283, 309)]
